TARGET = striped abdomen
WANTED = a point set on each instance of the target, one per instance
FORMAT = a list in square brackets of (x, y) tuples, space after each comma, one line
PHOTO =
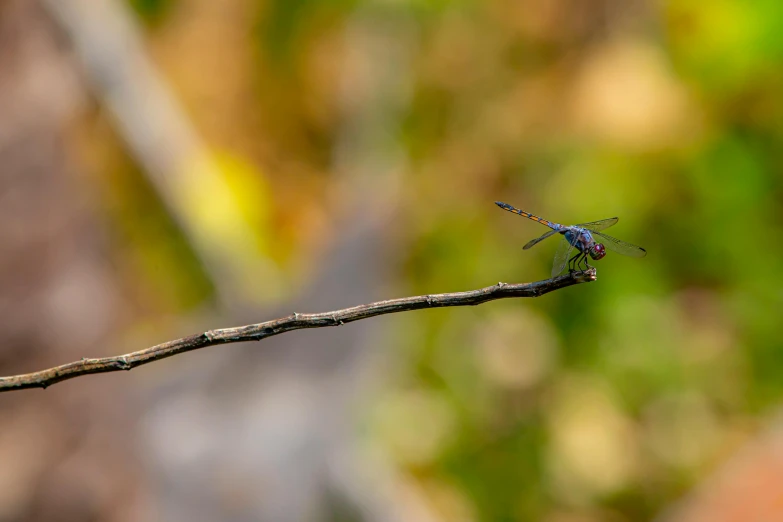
[(506, 206)]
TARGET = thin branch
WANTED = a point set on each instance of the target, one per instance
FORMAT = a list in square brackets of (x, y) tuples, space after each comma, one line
[(295, 321)]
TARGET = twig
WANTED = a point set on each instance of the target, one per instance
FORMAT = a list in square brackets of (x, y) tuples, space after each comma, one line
[(295, 321)]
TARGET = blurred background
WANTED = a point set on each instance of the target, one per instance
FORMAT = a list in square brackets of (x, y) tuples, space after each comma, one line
[(173, 166)]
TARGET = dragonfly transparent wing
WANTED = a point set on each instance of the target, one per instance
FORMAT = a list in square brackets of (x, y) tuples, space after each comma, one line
[(534, 242), (621, 247), (564, 251), (603, 224)]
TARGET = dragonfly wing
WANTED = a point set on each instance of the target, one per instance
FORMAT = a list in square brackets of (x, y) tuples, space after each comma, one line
[(534, 242), (562, 255), (621, 247), (595, 226)]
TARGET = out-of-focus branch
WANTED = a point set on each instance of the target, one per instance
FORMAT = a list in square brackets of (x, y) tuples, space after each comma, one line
[(166, 144), (295, 321)]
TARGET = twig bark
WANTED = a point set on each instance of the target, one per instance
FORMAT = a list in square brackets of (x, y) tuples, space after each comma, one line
[(295, 321)]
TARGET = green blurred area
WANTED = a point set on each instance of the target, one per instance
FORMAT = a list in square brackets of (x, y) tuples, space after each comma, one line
[(612, 399)]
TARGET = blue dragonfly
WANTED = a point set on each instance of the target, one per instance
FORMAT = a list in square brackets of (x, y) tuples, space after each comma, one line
[(580, 240)]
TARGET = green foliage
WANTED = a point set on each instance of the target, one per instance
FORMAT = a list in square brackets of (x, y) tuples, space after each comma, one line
[(284, 29), (152, 11)]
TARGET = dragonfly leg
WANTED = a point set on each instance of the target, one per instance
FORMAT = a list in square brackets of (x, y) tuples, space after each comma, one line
[(572, 263), (576, 262)]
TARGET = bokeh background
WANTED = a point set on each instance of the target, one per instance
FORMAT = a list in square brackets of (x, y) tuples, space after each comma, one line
[(172, 166)]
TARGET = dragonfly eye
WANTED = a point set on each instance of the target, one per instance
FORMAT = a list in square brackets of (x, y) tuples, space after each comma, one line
[(598, 251)]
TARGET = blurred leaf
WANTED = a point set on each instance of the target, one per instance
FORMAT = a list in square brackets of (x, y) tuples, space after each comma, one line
[(152, 11), (283, 25)]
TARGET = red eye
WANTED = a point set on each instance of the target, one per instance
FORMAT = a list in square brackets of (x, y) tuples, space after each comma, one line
[(598, 251)]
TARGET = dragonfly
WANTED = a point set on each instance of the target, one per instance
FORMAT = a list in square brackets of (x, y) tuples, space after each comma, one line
[(580, 240)]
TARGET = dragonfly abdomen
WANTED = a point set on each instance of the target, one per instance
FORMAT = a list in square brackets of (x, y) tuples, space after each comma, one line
[(506, 206)]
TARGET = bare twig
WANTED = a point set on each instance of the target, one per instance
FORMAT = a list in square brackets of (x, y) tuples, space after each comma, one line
[(295, 321)]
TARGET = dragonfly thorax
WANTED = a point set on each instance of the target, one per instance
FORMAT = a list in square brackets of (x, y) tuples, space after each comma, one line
[(583, 240)]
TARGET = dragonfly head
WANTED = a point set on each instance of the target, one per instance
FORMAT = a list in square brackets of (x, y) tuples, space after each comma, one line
[(598, 251)]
